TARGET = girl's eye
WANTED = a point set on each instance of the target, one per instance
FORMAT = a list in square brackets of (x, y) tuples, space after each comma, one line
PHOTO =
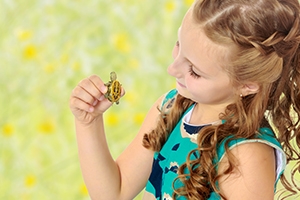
[(177, 43), (192, 73)]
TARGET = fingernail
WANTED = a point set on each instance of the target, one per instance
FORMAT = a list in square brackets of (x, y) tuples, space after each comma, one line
[(91, 109), (102, 97), (95, 102), (103, 88)]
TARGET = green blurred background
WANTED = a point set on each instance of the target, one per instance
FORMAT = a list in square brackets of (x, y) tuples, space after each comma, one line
[(46, 48)]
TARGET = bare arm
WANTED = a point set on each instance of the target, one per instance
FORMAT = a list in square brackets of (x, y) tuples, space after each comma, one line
[(106, 178), (255, 173)]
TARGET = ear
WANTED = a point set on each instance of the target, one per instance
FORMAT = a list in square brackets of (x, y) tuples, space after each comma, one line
[(249, 88)]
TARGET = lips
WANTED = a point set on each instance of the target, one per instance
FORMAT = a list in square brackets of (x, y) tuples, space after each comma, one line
[(181, 85)]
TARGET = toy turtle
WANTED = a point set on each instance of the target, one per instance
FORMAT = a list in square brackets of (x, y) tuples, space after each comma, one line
[(113, 93)]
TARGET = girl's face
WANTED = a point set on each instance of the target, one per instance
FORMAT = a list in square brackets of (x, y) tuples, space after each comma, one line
[(197, 67)]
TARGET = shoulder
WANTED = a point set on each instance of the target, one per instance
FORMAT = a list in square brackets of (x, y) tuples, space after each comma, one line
[(168, 99), (259, 163), (254, 172), (266, 138), (163, 101)]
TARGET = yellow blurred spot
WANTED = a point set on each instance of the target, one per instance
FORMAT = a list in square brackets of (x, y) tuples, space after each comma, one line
[(121, 42), (50, 68), (30, 181), (112, 119), (139, 118), (30, 52), (83, 190), (8, 129), (134, 63), (170, 6), (64, 58), (26, 196), (76, 66), (174, 85), (188, 2), (130, 97), (46, 127), (24, 34)]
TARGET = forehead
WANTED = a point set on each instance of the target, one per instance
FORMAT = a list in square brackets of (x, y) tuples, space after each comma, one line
[(197, 45)]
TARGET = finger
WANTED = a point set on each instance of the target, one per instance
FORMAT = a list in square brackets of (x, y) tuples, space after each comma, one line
[(78, 104), (99, 85), (122, 92), (80, 93), (89, 86)]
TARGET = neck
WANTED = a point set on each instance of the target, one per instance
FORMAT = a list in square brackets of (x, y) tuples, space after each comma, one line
[(206, 114)]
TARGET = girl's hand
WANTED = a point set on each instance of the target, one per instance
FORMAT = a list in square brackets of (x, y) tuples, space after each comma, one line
[(87, 100)]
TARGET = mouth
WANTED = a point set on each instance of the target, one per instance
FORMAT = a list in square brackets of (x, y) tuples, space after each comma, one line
[(181, 85)]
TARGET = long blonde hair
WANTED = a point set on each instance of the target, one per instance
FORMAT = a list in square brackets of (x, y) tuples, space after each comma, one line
[(266, 36)]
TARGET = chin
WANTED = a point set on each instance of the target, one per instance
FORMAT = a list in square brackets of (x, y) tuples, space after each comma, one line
[(184, 93)]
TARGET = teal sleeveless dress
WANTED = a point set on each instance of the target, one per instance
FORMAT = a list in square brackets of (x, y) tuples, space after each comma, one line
[(181, 141)]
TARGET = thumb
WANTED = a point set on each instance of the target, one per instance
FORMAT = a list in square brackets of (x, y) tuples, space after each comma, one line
[(123, 92), (102, 105), (103, 89)]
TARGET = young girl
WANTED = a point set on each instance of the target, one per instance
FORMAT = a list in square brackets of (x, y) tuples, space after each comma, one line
[(237, 69)]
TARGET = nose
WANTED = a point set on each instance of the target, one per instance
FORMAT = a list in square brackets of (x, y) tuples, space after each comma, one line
[(173, 69)]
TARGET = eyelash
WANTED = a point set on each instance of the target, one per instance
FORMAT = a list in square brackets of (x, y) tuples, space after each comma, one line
[(192, 73)]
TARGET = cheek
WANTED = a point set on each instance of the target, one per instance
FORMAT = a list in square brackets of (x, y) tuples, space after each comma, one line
[(201, 86), (192, 85)]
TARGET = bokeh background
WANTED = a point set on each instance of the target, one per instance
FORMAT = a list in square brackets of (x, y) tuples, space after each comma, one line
[(46, 48)]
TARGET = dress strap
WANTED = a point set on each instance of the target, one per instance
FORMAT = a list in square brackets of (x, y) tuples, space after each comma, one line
[(169, 99)]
